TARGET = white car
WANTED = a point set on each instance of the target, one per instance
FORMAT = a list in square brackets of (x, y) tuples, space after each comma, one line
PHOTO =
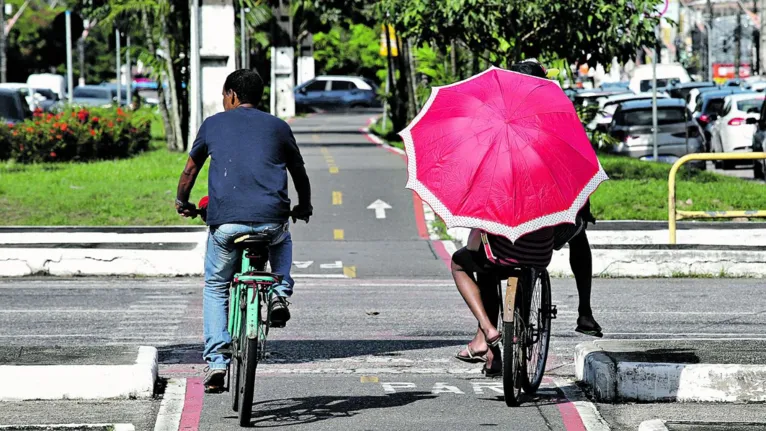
[(733, 130), (608, 105), (641, 81)]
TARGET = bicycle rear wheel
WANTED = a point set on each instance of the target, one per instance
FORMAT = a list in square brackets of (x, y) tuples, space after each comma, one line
[(513, 352), (248, 350), (538, 331)]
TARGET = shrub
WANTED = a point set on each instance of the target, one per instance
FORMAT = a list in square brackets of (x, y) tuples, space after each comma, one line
[(76, 134)]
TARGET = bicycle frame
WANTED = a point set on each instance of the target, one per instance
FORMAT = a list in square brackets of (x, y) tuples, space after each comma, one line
[(255, 287)]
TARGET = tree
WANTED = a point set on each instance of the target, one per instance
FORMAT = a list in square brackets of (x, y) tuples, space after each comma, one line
[(349, 51)]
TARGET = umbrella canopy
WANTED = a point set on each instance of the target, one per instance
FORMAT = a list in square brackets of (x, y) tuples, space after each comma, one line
[(501, 151)]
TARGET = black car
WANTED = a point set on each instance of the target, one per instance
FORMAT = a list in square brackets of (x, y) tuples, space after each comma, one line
[(681, 91), (709, 108), (13, 106)]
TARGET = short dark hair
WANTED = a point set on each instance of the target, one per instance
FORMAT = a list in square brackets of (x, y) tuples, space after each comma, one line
[(247, 84), (529, 68)]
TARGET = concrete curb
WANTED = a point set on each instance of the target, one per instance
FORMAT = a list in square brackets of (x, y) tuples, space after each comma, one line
[(653, 425), (92, 382), (49, 427), (613, 381)]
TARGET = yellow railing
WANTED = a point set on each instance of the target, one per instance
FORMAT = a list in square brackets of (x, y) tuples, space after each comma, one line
[(674, 215)]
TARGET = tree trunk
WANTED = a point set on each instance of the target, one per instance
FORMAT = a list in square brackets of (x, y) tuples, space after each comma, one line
[(175, 115), (169, 136), (453, 58), (402, 114), (413, 76)]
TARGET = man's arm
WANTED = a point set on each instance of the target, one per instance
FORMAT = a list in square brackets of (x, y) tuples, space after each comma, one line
[(295, 166), (197, 157), (185, 185)]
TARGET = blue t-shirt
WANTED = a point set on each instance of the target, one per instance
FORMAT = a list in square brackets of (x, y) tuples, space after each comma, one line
[(250, 152)]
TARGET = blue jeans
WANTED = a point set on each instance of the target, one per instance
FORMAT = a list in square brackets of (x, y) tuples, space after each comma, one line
[(221, 259)]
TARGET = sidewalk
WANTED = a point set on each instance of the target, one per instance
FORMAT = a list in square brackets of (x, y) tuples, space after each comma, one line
[(54, 373), (685, 370)]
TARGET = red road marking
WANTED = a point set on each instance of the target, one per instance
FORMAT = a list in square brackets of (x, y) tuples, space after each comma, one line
[(195, 396), (570, 416), (420, 218)]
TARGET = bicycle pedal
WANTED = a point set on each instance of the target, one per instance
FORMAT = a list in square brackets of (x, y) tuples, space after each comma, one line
[(553, 312)]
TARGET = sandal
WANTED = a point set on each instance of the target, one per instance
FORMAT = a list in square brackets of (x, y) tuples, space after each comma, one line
[(495, 341), (587, 325), (472, 357)]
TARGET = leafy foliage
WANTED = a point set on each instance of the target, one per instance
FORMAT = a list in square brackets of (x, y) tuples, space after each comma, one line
[(349, 51)]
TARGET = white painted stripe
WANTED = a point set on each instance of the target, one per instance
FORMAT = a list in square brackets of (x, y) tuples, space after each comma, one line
[(318, 276), (385, 370), (588, 412), (45, 427), (154, 336), (159, 306), (756, 335), (169, 415), (450, 247), (653, 425), (680, 313)]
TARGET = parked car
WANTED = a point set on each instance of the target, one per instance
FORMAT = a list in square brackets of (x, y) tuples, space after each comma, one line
[(734, 128), (336, 92), (608, 105), (667, 74), (13, 106), (123, 92), (677, 133), (759, 166), (587, 97), (92, 95), (709, 108), (50, 81), (682, 91)]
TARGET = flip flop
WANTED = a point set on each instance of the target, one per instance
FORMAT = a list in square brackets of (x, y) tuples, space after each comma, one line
[(591, 332), (472, 357)]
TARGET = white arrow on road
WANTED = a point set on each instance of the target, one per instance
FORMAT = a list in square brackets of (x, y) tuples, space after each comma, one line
[(380, 208), (337, 265), (303, 264)]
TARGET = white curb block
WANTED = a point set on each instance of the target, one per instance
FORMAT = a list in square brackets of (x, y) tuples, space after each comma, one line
[(653, 425), (92, 382), (612, 380)]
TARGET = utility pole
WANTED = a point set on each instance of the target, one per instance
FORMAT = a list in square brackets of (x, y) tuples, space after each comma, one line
[(128, 74), (3, 65), (69, 67), (282, 62), (756, 42), (738, 44), (242, 36), (710, 37), (119, 67)]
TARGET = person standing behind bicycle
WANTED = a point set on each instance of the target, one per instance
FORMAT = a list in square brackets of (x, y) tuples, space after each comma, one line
[(251, 152)]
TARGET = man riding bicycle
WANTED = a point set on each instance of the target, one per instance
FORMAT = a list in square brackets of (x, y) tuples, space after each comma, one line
[(251, 153)]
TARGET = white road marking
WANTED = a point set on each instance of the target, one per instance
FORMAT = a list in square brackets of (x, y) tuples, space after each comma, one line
[(169, 416), (318, 276), (443, 388), (391, 387), (115, 427), (336, 265), (588, 412), (478, 387), (302, 264), (380, 208), (755, 336)]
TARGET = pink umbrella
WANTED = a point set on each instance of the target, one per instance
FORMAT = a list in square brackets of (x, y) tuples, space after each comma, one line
[(503, 152)]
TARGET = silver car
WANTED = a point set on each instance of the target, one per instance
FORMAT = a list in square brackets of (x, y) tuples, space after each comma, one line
[(677, 132)]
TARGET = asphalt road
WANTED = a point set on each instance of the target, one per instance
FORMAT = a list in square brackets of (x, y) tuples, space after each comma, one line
[(372, 350)]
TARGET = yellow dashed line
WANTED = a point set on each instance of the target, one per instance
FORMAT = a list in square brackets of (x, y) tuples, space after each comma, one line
[(338, 234), (369, 379), (328, 159), (315, 138), (337, 198), (349, 271)]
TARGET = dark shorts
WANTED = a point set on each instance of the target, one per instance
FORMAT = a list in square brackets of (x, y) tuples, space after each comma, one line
[(473, 261)]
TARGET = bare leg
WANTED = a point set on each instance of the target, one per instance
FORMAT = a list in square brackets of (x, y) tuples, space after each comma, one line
[(581, 261), (488, 289), (472, 296)]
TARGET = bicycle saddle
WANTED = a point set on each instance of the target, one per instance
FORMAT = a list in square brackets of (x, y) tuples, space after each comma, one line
[(261, 239)]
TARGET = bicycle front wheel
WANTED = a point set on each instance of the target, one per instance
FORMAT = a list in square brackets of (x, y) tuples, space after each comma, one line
[(248, 352), (538, 331), (513, 353)]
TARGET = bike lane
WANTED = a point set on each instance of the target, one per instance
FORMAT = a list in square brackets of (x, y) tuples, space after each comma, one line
[(376, 319)]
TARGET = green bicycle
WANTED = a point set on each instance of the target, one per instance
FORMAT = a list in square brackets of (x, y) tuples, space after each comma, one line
[(249, 320)]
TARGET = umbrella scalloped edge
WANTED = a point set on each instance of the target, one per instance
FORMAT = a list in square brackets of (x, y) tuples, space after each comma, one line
[(511, 232)]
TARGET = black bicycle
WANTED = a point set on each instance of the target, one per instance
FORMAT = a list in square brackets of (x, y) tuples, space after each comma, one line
[(526, 312)]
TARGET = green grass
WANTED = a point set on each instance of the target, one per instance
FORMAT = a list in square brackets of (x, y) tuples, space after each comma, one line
[(136, 191)]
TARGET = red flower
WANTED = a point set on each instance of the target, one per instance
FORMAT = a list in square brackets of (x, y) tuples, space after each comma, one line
[(15, 133), (82, 115), (59, 137), (94, 119), (10, 125), (120, 112), (58, 116), (110, 124), (73, 114), (49, 117), (37, 123), (63, 127), (30, 130), (92, 132), (119, 120), (53, 154), (37, 112)]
